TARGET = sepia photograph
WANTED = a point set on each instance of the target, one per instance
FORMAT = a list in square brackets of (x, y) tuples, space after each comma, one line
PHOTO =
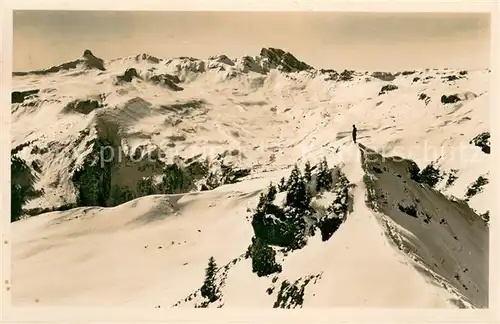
[(250, 160)]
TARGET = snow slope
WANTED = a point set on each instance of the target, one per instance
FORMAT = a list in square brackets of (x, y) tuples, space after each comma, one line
[(259, 114)]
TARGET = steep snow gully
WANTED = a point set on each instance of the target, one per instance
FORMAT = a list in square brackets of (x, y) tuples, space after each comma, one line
[(262, 200)]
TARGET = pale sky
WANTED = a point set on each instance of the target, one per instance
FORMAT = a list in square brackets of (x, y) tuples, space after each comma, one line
[(363, 41)]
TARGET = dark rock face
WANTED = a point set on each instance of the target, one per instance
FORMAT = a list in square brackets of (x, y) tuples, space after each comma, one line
[(93, 179), (331, 75), (384, 76), (108, 176), (170, 81), (450, 99), (346, 75), (147, 57), (93, 62), (82, 106), (482, 141), (19, 96), (387, 88), (476, 187), (250, 64), (286, 60), (128, 75), (225, 60), (450, 77)]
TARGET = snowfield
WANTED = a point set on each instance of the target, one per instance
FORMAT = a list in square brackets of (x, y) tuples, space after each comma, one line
[(114, 230)]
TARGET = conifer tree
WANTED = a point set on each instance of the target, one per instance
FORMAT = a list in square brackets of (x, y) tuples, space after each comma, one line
[(293, 175), (282, 185), (262, 202), (146, 187), (324, 179), (307, 172), (341, 190), (174, 179), (263, 258), (209, 290), (297, 196), (16, 202), (271, 193)]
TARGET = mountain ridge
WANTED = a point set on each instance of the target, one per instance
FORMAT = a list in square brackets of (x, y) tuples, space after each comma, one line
[(170, 155), (275, 58)]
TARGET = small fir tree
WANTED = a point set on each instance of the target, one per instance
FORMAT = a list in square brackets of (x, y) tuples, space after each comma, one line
[(297, 195), (324, 179), (307, 172), (209, 290), (282, 185)]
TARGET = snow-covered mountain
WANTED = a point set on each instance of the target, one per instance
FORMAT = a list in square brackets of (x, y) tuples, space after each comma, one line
[(226, 182)]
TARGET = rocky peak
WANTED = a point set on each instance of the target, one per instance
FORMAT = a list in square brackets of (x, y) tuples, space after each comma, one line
[(279, 58), (147, 57), (87, 53), (93, 62)]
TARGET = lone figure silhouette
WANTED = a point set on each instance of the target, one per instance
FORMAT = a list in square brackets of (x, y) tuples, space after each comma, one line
[(354, 131)]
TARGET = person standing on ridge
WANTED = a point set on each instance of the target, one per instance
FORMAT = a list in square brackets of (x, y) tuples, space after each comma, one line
[(354, 131)]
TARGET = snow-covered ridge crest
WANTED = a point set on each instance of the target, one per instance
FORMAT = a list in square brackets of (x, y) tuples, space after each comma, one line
[(341, 228), (268, 59)]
